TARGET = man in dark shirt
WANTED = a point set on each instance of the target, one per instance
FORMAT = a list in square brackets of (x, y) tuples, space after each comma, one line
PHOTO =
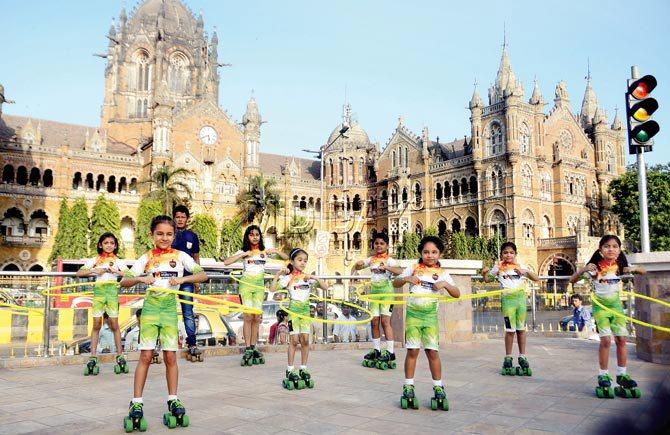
[(187, 241)]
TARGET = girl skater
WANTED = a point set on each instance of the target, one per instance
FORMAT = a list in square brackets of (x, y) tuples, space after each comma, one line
[(381, 267), (298, 284), (604, 269), (513, 300), (105, 267), (252, 287), (421, 322), (163, 267)]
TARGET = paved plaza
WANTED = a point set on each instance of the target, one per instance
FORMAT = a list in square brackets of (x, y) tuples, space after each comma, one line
[(223, 397)]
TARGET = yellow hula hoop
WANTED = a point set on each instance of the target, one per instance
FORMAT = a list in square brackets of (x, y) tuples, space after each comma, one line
[(49, 290), (20, 310), (648, 298), (594, 298), (379, 298), (283, 305), (232, 306), (239, 280)]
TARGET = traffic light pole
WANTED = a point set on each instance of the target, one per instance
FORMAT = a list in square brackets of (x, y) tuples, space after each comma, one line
[(642, 186)]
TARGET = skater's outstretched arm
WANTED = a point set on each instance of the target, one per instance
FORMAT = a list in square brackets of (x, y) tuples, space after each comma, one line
[(235, 258), (273, 251), (581, 271), (528, 274), (273, 284), (401, 281), (129, 281), (320, 282), (451, 289), (191, 279), (396, 270)]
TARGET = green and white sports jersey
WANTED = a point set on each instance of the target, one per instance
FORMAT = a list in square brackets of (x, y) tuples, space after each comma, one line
[(106, 261), (509, 279), (428, 277), (106, 296)]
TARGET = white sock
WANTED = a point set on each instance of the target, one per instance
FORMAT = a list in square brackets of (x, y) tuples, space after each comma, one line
[(172, 397), (521, 355), (620, 370), (437, 383), (602, 372), (290, 368), (303, 367), (508, 356), (389, 345), (137, 400), (409, 381), (377, 343)]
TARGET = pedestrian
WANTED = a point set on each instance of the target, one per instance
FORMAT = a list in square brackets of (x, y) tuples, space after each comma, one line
[(426, 278), (604, 271), (581, 317)]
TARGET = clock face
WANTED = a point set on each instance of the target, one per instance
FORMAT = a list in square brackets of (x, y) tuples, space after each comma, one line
[(208, 135)]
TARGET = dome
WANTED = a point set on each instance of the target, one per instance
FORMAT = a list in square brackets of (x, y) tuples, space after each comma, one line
[(178, 18), (355, 134)]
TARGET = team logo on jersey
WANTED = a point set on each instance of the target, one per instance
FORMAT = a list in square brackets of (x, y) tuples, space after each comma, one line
[(173, 264), (262, 255), (111, 264), (435, 276)]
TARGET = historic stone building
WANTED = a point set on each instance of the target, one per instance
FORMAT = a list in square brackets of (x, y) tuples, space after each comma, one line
[(537, 178)]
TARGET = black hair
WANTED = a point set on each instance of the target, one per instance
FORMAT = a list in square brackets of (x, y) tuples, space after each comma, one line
[(138, 313), (102, 239), (577, 296), (597, 257), (281, 315), (246, 244), (382, 236), (181, 209), (294, 253), (508, 245), (430, 239), (161, 219)]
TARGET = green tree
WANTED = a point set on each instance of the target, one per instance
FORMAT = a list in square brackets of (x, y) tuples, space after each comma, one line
[(204, 226), (78, 224), (61, 243), (231, 237), (409, 247), (258, 199), (430, 231), (624, 191), (297, 234), (149, 208), (105, 218), (166, 186)]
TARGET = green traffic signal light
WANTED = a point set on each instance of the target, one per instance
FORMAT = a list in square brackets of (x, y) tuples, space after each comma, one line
[(644, 132)]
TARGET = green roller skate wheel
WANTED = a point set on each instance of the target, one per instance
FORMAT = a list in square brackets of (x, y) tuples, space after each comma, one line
[(637, 393), (393, 365), (126, 369), (185, 421), (301, 384), (403, 403), (415, 403), (600, 393), (445, 405), (365, 363), (311, 383), (143, 424), (117, 369), (289, 385), (382, 366), (262, 360), (86, 372), (169, 420), (255, 361), (433, 404), (128, 424), (96, 370)]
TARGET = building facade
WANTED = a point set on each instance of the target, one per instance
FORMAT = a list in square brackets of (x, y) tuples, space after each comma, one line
[(536, 178)]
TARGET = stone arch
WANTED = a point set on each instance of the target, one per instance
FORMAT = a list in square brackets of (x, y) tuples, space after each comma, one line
[(8, 174), (11, 267)]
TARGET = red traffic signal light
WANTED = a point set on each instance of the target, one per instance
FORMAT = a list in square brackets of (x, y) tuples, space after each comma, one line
[(640, 107), (641, 88)]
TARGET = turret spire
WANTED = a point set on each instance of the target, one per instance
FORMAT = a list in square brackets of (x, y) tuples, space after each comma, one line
[(589, 103)]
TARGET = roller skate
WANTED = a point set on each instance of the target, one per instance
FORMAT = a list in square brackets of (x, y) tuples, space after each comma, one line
[(439, 400), (408, 399), (247, 357), (370, 358), (135, 418), (258, 357), (176, 415), (604, 389), (293, 381), (121, 365), (155, 357), (627, 387), (524, 367), (386, 361), (92, 367), (307, 378), (194, 354), (508, 367)]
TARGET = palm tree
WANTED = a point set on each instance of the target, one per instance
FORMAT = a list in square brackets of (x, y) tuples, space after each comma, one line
[(165, 186), (259, 197), (298, 233)]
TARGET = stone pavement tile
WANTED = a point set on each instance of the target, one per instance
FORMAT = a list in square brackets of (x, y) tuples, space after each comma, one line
[(251, 429), (593, 425), (485, 428), (526, 431), (554, 421), (577, 406), (214, 424), (371, 412), (357, 432), (61, 419), (392, 427), (27, 414), (23, 427), (19, 406), (345, 420), (504, 420)]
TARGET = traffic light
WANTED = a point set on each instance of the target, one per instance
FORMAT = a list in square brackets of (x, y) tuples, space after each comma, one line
[(640, 106)]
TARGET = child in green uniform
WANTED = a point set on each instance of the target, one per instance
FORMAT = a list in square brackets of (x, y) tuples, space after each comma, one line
[(604, 270), (298, 285), (513, 279), (421, 322), (381, 267), (254, 257), (105, 267), (162, 267)]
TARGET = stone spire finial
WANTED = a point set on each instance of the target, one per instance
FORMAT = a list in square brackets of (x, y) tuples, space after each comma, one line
[(476, 100), (600, 117), (215, 37), (123, 17), (401, 121), (589, 103), (346, 114), (616, 124), (561, 94), (506, 83), (536, 98), (112, 29), (201, 20), (252, 115)]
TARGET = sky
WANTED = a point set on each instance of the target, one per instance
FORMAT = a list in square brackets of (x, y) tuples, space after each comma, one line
[(302, 59)]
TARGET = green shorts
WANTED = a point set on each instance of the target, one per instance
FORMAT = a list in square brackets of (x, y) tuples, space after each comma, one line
[(159, 320), (422, 327), (252, 290), (299, 325), (514, 311), (607, 322), (106, 300), (378, 309)]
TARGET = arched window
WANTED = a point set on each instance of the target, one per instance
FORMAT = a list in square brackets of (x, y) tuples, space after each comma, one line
[(524, 139), (48, 178), (336, 242), (464, 186), (546, 187), (404, 195), (495, 139), (22, 176), (361, 171), (123, 185), (76, 181), (178, 73), (140, 77), (357, 241), (498, 224), (611, 159), (406, 157), (394, 196), (418, 229), (317, 205), (470, 227), (89, 181), (100, 183), (494, 183), (356, 205), (501, 183), (340, 165), (133, 186), (350, 171), (547, 230), (39, 224), (447, 189), (438, 191), (303, 203), (417, 193), (385, 200), (393, 161), (8, 174), (12, 223), (111, 184), (473, 185), (441, 228), (455, 190), (455, 225), (528, 226), (527, 181), (332, 171), (127, 229)]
